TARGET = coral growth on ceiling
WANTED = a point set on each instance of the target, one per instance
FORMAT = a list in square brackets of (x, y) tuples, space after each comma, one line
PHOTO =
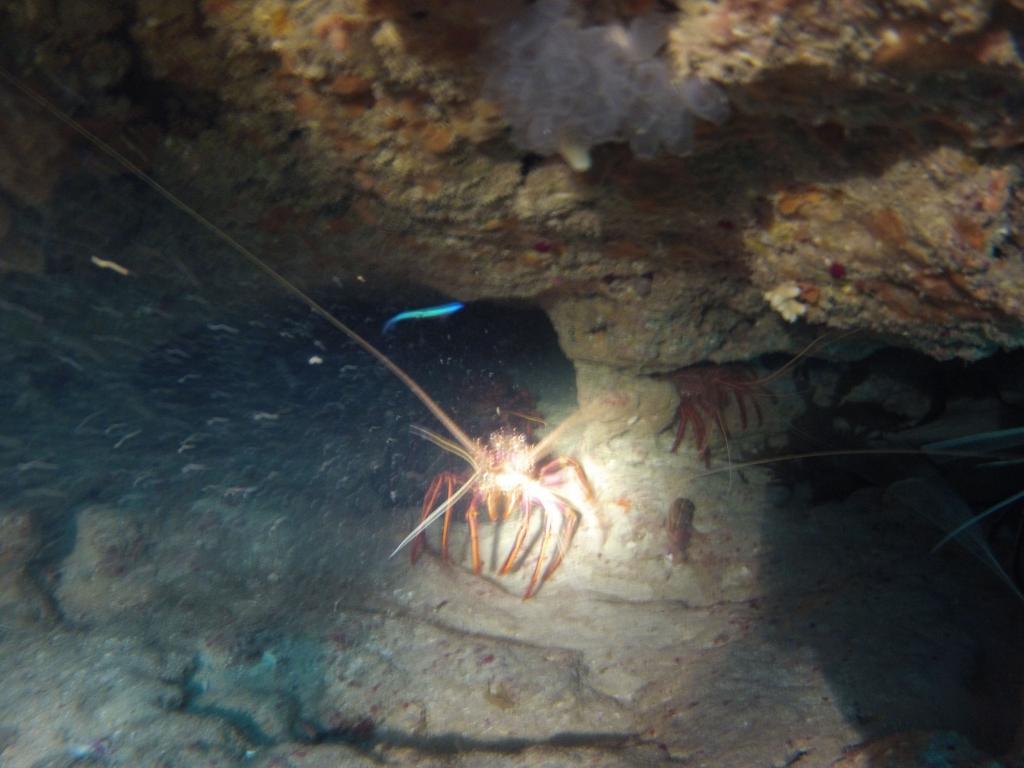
[(868, 176)]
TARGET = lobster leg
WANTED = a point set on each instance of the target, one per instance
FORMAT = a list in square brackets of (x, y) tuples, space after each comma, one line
[(544, 540), (450, 482), (568, 529), (474, 534), (419, 545), (524, 527)]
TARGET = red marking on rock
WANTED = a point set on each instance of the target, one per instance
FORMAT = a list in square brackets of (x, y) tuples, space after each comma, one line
[(542, 246), (837, 270)]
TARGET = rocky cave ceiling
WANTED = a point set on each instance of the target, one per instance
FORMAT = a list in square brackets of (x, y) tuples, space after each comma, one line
[(867, 177)]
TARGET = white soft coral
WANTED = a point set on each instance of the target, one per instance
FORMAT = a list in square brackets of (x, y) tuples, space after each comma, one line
[(564, 87)]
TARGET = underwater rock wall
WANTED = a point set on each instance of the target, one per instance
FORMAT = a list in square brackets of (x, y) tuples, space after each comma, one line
[(868, 177)]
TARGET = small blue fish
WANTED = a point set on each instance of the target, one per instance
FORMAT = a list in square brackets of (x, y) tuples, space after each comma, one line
[(419, 314)]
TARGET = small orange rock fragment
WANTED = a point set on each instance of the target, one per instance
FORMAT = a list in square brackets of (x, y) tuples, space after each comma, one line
[(995, 197), (364, 180), (408, 108), (885, 225), (789, 204), (431, 187), (350, 85), (331, 27), (969, 233), (324, 24), (996, 48), (530, 258), (354, 109), (438, 138), (279, 22), (809, 293)]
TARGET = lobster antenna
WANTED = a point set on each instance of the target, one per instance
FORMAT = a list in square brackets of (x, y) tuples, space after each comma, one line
[(253, 259)]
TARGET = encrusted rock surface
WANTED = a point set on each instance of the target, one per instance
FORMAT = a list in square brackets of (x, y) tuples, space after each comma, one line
[(868, 178), (20, 541), (103, 570)]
